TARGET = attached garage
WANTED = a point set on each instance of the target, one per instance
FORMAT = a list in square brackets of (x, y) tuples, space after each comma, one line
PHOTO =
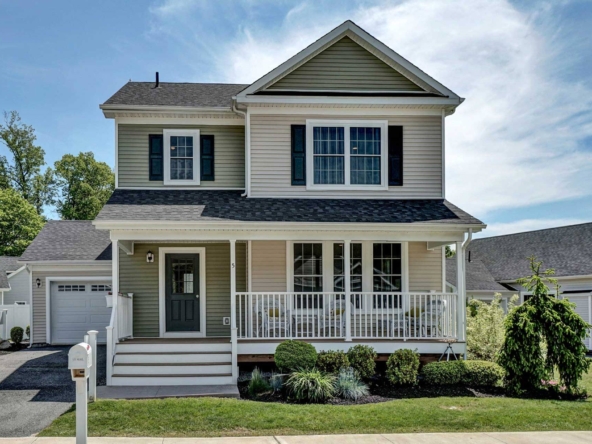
[(77, 307)]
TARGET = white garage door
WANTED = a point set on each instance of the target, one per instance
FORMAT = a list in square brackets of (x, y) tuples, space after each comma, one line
[(583, 309), (77, 307)]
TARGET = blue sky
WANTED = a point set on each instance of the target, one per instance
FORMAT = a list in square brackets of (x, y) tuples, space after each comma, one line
[(519, 150)]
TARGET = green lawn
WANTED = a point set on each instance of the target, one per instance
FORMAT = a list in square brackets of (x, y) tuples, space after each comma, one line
[(230, 417)]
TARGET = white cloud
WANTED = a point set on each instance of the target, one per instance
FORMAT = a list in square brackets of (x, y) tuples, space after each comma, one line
[(520, 226), (514, 142)]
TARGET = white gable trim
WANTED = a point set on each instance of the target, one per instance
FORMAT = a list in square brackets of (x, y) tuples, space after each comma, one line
[(349, 28)]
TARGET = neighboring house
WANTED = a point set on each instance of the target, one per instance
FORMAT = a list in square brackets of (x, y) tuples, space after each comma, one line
[(494, 264), (237, 206), (14, 282)]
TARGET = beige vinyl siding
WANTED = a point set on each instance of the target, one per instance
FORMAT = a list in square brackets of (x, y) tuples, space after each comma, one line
[(19, 288), (39, 294), (268, 266), (141, 278), (229, 155), (271, 158), (425, 268), (345, 65)]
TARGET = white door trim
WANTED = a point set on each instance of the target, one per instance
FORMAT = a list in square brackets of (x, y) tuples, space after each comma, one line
[(48, 281), (162, 251)]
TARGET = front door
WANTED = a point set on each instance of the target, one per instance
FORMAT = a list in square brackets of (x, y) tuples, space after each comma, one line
[(182, 293)]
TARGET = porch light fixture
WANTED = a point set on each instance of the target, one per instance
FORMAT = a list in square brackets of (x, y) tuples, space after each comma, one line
[(149, 257), (38, 282)]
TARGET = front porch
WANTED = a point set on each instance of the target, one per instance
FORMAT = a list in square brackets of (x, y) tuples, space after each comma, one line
[(252, 294)]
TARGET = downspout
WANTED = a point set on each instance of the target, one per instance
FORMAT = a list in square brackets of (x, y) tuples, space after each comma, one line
[(464, 289), (30, 270), (247, 146)]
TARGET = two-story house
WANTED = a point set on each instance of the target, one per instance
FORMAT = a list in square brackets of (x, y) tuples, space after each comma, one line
[(307, 205)]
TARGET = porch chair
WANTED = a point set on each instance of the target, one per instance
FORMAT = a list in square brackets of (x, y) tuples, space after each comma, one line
[(334, 317), (431, 317), (273, 317)]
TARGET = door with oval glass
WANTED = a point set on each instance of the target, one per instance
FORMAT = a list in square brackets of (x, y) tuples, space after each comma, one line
[(182, 293)]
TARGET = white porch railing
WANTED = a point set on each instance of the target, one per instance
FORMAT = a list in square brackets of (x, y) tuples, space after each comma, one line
[(391, 315), (120, 327)]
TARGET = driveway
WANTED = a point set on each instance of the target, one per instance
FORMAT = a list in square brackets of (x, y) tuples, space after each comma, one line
[(36, 388)]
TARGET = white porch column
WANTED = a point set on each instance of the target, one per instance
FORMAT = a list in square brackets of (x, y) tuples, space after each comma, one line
[(460, 272), (233, 330), (115, 285), (347, 287)]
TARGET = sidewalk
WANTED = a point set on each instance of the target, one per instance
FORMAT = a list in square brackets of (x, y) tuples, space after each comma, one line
[(406, 438)]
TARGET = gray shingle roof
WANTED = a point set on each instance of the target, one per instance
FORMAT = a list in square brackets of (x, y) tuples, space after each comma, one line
[(69, 240), (479, 278), (7, 263), (176, 94), (568, 250), (226, 206)]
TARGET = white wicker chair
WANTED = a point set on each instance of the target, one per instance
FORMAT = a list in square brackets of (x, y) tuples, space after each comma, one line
[(334, 317), (431, 317), (273, 317)]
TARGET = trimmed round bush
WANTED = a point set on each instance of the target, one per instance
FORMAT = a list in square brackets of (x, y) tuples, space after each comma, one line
[(402, 367), (481, 373), (16, 335), (443, 373), (362, 359), (310, 386), (295, 355), (332, 361)]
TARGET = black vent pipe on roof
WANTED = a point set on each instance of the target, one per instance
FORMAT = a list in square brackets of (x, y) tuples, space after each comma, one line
[(157, 81)]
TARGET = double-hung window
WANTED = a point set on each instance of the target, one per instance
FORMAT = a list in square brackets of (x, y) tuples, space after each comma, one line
[(347, 154), (181, 157), (387, 274), (356, 272), (308, 274)]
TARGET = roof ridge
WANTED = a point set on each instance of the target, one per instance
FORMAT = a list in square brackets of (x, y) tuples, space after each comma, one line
[(189, 83), (532, 231)]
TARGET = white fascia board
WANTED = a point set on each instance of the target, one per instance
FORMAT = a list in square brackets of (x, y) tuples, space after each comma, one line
[(355, 100), (357, 111), (334, 35)]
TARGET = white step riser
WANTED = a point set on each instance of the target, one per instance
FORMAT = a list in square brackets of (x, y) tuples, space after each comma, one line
[(173, 359), (171, 369), (210, 380), (164, 348)]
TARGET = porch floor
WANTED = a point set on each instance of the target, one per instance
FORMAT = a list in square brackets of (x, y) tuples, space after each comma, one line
[(163, 391), (177, 341)]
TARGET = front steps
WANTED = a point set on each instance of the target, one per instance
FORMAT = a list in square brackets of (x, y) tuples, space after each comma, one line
[(170, 362)]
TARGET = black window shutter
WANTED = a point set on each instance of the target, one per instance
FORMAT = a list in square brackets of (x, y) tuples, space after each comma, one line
[(395, 155), (298, 154), (207, 157), (155, 156)]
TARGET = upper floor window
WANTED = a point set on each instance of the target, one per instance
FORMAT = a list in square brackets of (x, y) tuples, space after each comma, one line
[(346, 154), (181, 157)]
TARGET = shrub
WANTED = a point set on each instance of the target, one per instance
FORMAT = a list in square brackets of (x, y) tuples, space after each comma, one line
[(310, 386), (442, 373), (332, 361), (402, 367), (16, 335), (362, 359), (485, 328), (349, 386), (257, 384), (276, 382), (295, 355), (553, 322), (481, 373), (28, 331)]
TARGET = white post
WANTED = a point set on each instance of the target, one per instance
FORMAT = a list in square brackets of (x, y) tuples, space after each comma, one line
[(233, 330), (92, 382), (459, 289), (5, 320), (115, 286), (81, 411), (347, 288)]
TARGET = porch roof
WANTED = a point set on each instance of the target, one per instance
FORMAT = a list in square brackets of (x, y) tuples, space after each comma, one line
[(229, 206)]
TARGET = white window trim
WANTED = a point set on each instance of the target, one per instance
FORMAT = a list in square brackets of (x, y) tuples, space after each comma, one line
[(167, 133), (382, 124)]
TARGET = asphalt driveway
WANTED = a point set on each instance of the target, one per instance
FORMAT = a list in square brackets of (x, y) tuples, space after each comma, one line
[(36, 388)]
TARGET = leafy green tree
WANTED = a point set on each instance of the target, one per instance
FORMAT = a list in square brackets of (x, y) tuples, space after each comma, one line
[(543, 335), (19, 223), (23, 172), (84, 186), (449, 252)]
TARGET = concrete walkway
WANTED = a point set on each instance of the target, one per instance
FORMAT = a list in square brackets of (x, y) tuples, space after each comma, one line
[(407, 438)]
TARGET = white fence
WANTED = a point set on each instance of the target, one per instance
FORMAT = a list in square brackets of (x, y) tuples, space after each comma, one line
[(16, 316), (391, 315)]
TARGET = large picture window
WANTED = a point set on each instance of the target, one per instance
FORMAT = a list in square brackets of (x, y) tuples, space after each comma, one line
[(181, 157), (308, 274), (386, 274), (350, 154)]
